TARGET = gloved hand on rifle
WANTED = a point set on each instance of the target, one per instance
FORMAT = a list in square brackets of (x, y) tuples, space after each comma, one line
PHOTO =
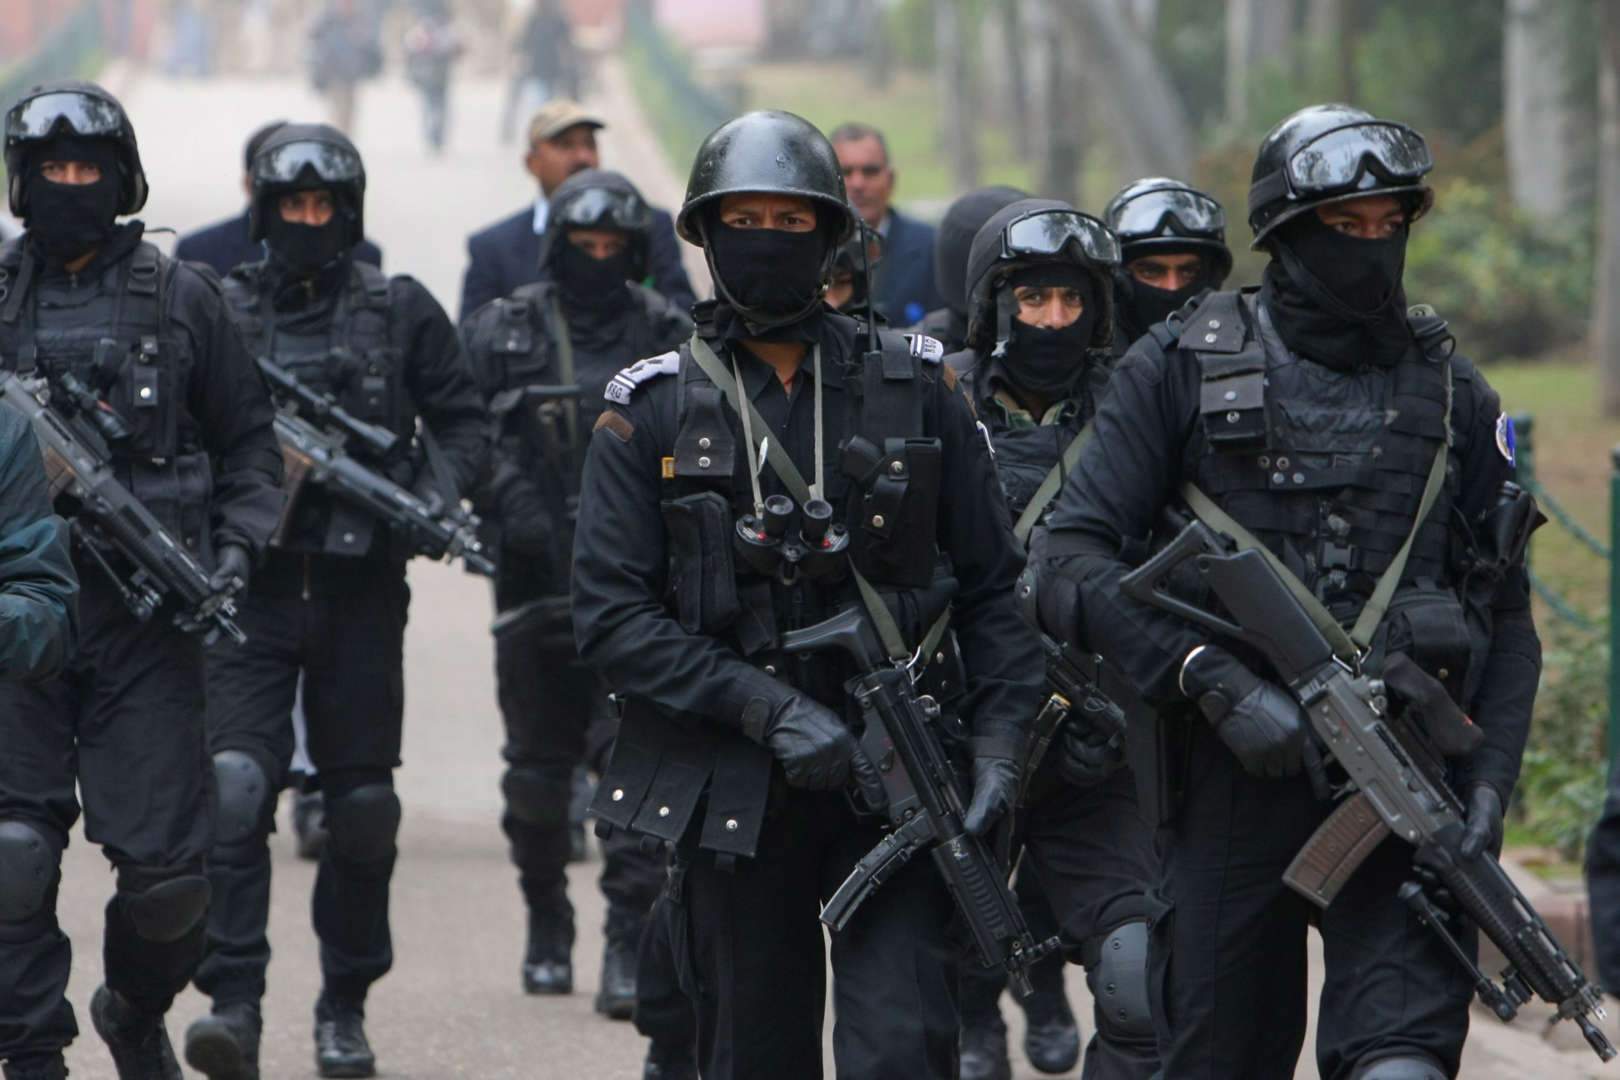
[(995, 784), (1257, 719), (1087, 754), (816, 749), (233, 566)]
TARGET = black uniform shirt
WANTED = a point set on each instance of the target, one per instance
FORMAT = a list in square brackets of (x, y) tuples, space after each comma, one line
[(626, 631), (1134, 467)]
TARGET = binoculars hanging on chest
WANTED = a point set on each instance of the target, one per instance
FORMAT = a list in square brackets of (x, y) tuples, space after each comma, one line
[(819, 551)]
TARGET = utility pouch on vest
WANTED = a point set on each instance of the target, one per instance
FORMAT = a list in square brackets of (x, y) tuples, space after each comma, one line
[(1427, 623), (704, 446), (1232, 400), (703, 576), (895, 500), (178, 491)]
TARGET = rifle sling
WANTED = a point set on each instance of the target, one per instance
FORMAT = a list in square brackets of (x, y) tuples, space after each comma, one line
[(1049, 486), (565, 363), (888, 630)]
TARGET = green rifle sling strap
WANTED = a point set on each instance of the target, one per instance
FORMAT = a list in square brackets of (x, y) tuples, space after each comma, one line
[(894, 642), (1348, 647), (1049, 486), (565, 361)]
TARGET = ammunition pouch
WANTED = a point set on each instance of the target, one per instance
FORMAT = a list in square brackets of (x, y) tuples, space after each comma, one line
[(893, 508), (1427, 623)]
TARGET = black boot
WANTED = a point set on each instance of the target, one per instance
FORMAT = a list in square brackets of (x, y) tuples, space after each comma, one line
[(138, 1041), (1051, 1034), (309, 822), (49, 1067), (341, 1048), (669, 1061), (984, 1051), (225, 1045), (548, 966), (617, 997)]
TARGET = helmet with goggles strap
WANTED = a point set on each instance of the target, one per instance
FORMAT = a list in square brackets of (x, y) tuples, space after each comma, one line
[(1158, 214), (1033, 232), (1330, 153), (301, 157), (72, 107), (599, 199)]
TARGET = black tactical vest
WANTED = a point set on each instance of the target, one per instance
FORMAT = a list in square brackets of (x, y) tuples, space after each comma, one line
[(347, 348), (1327, 468), (114, 334)]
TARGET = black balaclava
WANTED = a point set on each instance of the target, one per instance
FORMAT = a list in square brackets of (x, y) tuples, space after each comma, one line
[(1139, 305), (589, 283), (1049, 362), (769, 281), (316, 256), (66, 221), (1337, 299)]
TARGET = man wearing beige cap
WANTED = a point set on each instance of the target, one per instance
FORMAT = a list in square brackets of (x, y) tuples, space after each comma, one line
[(562, 141)]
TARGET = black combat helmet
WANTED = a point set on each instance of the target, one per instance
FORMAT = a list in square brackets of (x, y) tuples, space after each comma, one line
[(599, 199), (767, 151), (954, 239), (1158, 214), (1329, 153), (72, 107), (298, 157), (1033, 232)]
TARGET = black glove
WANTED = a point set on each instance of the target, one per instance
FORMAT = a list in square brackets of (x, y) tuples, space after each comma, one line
[(995, 786), (428, 491), (525, 522), (1087, 754), (816, 750), (232, 568), (1258, 720), (1483, 828)]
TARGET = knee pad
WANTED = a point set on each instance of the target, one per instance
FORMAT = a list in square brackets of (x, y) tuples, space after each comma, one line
[(1408, 1065), (535, 797), (361, 824), (245, 798), (169, 910), (1119, 982), (27, 871)]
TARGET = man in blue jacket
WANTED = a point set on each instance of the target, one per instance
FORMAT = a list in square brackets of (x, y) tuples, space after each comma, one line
[(227, 244), (562, 141), (905, 290)]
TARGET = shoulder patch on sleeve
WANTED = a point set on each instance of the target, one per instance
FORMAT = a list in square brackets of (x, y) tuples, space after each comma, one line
[(1506, 443), (615, 422), (925, 347), (622, 385), (948, 373)]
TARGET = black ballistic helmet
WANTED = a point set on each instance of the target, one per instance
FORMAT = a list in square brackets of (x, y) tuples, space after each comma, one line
[(767, 151), (1034, 232), (72, 107), (1330, 153), (599, 199), (299, 157), (1158, 214), (851, 259), (954, 239)]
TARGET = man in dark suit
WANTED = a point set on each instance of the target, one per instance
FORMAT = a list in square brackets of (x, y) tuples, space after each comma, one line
[(905, 289), (227, 244), (562, 141)]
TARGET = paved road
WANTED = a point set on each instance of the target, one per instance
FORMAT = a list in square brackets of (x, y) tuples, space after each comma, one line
[(452, 1007)]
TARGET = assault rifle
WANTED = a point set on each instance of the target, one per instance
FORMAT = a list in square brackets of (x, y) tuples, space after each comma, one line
[(323, 409), (76, 463), (313, 455), (926, 803), (1395, 780)]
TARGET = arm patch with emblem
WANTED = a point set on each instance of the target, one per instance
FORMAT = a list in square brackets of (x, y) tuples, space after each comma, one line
[(622, 385), (615, 422)]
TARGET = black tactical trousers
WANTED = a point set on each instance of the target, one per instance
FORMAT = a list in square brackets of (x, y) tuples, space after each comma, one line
[(557, 716), (124, 722), (1091, 853), (748, 945), (1603, 885), (1228, 949), (340, 622)]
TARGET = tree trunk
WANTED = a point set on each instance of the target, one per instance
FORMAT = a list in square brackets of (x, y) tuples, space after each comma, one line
[(1026, 133), (1606, 292), (1148, 124), (1256, 31), (1333, 41), (1541, 128), (956, 124)]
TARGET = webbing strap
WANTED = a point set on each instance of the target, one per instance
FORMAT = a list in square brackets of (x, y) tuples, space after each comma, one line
[(1348, 647), (888, 630), (565, 361), (1049, 486)]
